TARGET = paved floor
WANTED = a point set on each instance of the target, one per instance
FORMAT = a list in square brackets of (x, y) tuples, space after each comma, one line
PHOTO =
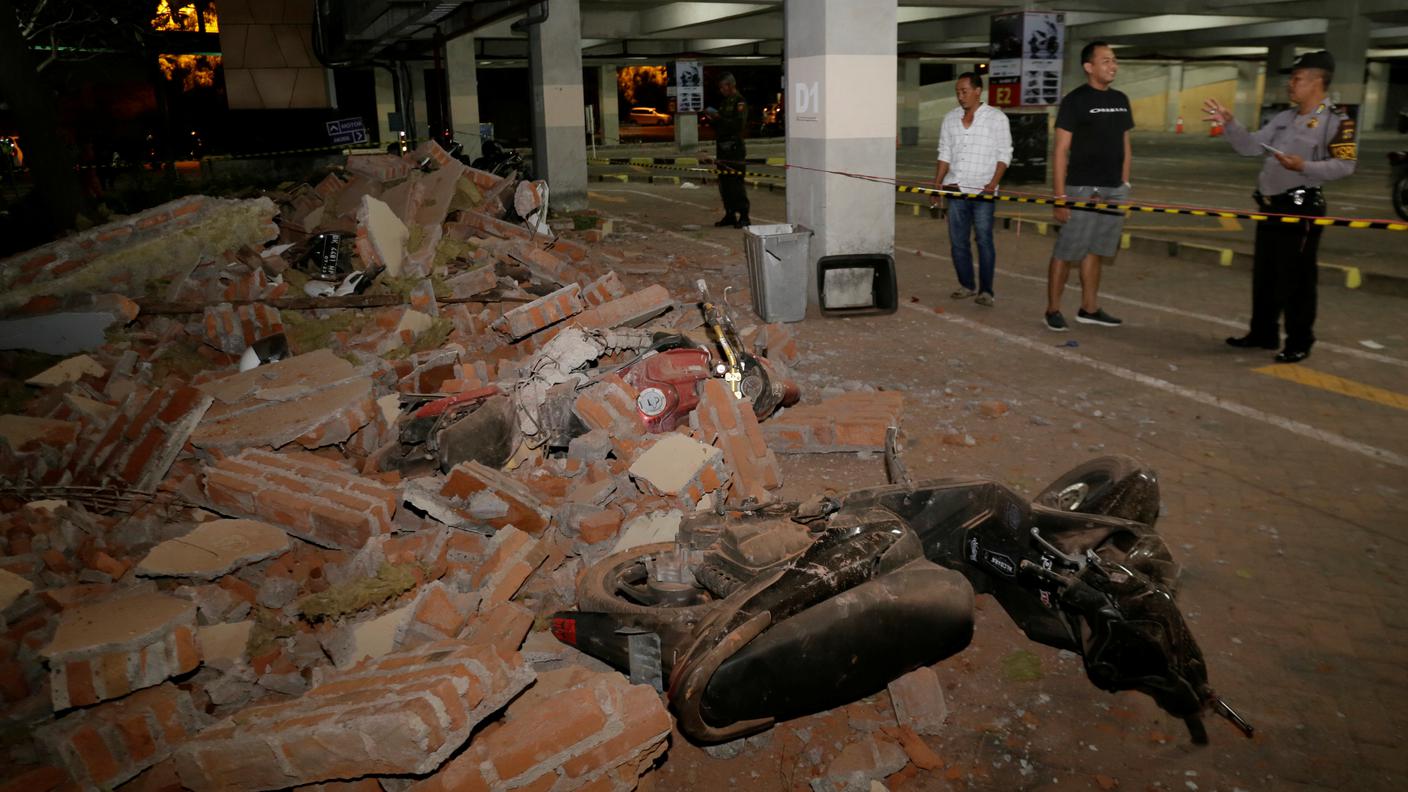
[(1285, 497)]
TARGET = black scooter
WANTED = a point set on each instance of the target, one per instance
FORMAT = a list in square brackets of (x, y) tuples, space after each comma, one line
[(753, 617)]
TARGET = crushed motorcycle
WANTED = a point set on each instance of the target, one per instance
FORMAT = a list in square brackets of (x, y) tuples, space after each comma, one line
[(754, 616)]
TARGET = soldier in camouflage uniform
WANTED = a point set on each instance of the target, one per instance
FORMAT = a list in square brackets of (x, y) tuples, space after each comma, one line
[(1305, 146), (730, 154)]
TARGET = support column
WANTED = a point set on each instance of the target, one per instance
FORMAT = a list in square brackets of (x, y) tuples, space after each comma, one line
[(422, 120), (559, 125), (1174, 96), (841, 93), (908, 75), (1073, 72), (1373, 114), (610, 111), (1247, 104), (385, 103), (687, 131), (463, 80), (1347, 38)]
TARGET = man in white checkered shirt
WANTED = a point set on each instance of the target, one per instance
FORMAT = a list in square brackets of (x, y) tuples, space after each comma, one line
[(975, 148)]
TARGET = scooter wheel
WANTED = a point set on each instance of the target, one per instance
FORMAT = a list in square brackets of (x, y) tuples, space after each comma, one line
[(621, 584), (1116, 486), (1400, 196)]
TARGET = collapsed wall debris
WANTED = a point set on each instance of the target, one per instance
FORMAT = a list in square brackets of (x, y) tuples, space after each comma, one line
[(252, 533)]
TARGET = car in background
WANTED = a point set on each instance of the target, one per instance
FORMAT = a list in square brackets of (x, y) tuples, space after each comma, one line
[(649, 116)]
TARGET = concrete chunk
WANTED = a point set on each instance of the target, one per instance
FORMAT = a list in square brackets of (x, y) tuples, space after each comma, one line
[(214, 548)]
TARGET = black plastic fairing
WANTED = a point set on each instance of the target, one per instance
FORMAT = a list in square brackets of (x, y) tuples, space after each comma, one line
[(846, 647)]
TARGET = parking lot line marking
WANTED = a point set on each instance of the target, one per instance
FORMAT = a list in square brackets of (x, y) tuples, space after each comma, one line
[(1202, 397), (597, 196), (1202, 317), (1329, 382)]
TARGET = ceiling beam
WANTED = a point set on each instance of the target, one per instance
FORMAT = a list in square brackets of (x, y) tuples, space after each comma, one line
[(674, 16)]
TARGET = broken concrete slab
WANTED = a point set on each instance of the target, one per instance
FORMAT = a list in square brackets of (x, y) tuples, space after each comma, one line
[(381, 236), (213, 549), (678, 466), (314, 399), (657, 526), (12, 587), (416, 708), (69, 370), (107, 649), (224, 643), (77, 324)]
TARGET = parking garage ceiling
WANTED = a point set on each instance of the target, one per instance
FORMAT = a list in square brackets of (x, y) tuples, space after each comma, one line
[(623, 30)]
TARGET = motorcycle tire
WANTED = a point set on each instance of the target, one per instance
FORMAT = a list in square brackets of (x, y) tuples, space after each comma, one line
[(599, 588), (1400, 196), (1104, 486)]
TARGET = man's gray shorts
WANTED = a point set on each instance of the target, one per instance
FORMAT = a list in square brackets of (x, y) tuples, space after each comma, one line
[(1090, 231)]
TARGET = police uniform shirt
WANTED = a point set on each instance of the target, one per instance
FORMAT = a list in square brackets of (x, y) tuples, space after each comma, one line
[(729, 125), (1324, 138)]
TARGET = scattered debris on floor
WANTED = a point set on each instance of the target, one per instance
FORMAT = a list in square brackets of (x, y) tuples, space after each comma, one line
[(328, 459)]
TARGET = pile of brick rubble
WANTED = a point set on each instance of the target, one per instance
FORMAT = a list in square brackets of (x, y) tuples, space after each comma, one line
[(210, 578)]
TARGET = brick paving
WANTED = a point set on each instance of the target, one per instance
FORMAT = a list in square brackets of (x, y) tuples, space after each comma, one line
[(1291, 545)]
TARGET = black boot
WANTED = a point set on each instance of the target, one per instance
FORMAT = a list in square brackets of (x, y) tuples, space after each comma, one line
[(726, 221), (743, 221)]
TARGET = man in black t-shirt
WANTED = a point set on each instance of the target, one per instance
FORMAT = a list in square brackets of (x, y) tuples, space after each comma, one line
[(1092, 160)]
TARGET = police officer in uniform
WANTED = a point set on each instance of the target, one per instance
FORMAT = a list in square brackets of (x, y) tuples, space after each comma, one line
[(1305, 146), (729, 153)]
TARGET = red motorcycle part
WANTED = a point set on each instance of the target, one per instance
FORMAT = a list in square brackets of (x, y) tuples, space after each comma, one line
[(668, 385), (765, 385), (441, 406)]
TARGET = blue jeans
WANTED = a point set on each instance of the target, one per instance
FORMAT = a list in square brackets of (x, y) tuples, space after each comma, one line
[(966, 216)]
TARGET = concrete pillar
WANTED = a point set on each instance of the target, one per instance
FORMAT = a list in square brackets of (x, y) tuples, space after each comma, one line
[(1174, 96), (908, 75), (687, 131), (1072, 72), (559, 125), (385, 103), (1373, 114), (841, 93), (609, 107), (1347, 38), (464, 93), (417, 90), (1247, 105)]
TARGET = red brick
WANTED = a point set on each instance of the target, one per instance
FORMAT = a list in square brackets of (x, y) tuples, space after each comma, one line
[(541, 735), (95, 755), (79, 674), (415, 724)]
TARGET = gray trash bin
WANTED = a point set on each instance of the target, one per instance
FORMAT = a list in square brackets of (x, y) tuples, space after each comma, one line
[(777, 270)]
